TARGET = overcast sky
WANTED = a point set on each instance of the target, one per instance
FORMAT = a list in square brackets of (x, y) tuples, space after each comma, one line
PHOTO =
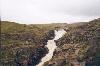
[(49, 11)]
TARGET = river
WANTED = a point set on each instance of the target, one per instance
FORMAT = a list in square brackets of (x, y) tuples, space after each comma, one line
[(51, 45)]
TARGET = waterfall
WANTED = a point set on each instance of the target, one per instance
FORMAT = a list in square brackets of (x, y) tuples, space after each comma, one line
[(51, 45)]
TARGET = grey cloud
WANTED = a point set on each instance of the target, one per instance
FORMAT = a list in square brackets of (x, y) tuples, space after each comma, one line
[(49, 10), (72, 7)]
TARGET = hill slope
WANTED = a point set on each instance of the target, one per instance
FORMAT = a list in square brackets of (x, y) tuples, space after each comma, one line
[(23, 45), (79, 47)]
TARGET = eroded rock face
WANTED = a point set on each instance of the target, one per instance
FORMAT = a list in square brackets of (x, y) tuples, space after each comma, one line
[(34, 57)]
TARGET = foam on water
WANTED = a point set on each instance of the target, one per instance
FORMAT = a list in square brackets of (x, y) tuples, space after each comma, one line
[(51, 45)]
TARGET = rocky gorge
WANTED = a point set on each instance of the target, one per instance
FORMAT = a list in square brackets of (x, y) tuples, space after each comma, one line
[(24, 45)]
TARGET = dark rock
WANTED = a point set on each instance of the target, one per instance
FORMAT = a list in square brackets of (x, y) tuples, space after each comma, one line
[(37, 56)]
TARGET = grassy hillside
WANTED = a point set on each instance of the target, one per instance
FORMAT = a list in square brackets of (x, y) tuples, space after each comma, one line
[(24, 44)]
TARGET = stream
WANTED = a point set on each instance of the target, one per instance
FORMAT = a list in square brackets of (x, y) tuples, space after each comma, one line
[(51, 45)]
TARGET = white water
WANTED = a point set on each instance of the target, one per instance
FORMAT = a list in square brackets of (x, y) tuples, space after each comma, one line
[(51, 45)]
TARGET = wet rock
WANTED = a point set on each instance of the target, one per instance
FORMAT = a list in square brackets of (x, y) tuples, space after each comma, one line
[(26, 57), (37, 56), (50, 35)]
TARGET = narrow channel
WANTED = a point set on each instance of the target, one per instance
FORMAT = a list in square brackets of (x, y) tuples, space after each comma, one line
[(51, 45)]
